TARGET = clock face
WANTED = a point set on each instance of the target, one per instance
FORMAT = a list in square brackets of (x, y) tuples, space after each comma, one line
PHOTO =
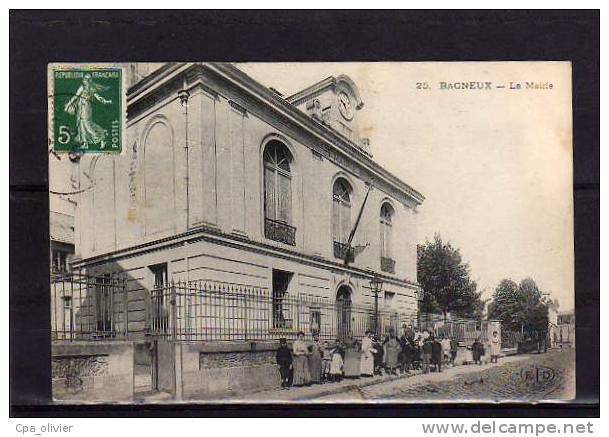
[(344, 105)]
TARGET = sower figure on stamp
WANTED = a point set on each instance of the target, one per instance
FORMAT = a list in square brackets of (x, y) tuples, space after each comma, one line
[(80, 104)]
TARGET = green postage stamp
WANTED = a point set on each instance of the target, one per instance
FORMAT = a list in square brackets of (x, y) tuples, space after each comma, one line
[(86, 108)]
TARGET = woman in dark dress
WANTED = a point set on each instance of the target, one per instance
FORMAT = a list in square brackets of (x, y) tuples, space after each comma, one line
[(392, 350), (314, 360), (436, 353), (299, 361), (378, 356), (353, 358)]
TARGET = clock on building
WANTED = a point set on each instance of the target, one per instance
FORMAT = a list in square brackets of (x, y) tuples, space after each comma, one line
[(344, 105)]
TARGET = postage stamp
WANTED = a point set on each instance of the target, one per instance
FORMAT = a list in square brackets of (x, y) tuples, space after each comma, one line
[(86, 108)]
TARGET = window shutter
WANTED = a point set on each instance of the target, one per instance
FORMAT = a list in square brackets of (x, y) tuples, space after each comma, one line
[(335, 220), (346, 222), (388, 241), (383, 254), (269, 193), (285, 198)]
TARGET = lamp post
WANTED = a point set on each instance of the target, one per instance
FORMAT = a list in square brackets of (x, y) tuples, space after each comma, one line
[(376, 283), (184, 95)]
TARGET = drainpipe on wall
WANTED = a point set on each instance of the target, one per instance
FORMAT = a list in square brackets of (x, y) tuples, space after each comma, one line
[(184, 95)]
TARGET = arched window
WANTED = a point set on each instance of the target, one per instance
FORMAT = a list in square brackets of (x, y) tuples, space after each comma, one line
[(341, 211), (386, 218), (278, 193)]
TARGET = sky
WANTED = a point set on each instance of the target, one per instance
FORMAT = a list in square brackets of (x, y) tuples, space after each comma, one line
[(494, 165)]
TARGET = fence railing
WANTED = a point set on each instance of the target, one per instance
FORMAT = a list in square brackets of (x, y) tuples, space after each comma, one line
[(200, 311), (96, 308), (463, 330), (88, 308), (279, 231)]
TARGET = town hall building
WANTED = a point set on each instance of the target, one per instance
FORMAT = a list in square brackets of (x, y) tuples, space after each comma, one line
[(236, 213), (226, 181)]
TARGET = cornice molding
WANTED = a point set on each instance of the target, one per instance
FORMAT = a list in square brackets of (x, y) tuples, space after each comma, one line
[(248, 86), (215, 236)]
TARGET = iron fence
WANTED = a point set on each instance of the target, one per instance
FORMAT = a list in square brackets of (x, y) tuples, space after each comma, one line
[(88, 307), (201, 311), (96, 308), (463, 330)]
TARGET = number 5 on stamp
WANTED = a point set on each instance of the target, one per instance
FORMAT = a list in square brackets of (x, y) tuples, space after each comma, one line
[(86, 109)]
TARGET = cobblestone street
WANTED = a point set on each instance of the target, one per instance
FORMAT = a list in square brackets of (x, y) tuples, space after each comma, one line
[(536, 377), (529, 378)]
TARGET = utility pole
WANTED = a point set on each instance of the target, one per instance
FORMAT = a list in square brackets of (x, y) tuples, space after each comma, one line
[(376, 284)]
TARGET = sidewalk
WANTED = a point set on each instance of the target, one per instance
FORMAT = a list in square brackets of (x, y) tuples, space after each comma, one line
[(307, 394)]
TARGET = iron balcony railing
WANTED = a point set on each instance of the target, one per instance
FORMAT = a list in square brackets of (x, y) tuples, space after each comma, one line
[(279, 231), (387, 265), (343, 251), (88, 308), (202, 311)]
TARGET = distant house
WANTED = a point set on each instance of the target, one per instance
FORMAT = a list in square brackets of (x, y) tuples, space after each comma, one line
[(61, 232), (566, 328)]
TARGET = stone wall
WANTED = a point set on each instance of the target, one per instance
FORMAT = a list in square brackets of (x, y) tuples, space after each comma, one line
[(92, 372), (210, 371)]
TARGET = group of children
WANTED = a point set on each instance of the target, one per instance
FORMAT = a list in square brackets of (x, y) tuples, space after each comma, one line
[(309, 362), (312, 362)]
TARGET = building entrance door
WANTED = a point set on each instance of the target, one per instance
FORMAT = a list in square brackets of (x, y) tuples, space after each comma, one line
[(343, 311)]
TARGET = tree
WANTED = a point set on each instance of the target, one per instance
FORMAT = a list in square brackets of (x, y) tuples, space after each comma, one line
[(445, 280), (519, 306)]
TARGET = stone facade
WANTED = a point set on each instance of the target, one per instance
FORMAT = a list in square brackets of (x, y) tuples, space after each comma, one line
[(189, 193)]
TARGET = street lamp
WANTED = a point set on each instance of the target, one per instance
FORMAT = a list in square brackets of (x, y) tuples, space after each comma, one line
[(376, 284)]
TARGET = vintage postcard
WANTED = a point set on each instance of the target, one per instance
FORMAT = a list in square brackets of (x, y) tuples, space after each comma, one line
[(311, 232)]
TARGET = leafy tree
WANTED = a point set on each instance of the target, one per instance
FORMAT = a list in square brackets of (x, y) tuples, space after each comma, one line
[(445, 280), (519, 306)]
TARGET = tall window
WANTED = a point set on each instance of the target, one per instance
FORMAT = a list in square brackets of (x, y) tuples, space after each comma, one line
[(281, 306), (60, 262), (341, 211), (159, 299), (387, 263), (386, 218), (103, 305), (277, 182), (278, 193)]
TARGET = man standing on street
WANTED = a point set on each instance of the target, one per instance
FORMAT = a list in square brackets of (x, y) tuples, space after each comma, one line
[(426, 355), (284, 360), (454, 347)]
